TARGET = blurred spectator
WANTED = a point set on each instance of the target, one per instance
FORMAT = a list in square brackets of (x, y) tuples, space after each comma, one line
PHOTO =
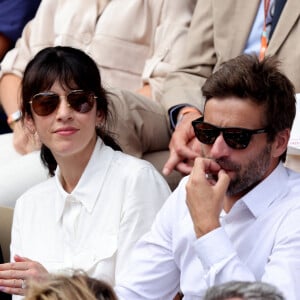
[(14, 14), (78, 286), (239, 290)]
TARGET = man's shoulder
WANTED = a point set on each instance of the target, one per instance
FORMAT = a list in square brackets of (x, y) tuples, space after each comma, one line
[(293, 180)]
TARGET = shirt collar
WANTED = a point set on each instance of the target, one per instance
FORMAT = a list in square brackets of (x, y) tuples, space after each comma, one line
[(266, 192), (90, 182)]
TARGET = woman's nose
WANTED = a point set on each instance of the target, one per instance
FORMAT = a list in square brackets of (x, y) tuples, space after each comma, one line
[(64, 109)]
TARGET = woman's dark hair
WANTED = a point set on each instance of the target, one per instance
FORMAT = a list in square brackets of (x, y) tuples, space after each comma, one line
[(73, 69), (246, 77)]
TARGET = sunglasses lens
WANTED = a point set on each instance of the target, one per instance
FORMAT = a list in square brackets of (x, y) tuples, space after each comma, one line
[(81, 101), (237, 138), (206, 133), (44, 104)]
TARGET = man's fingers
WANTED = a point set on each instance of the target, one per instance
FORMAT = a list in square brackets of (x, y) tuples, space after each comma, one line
[(223, 182), (171, 163), (184, 168)]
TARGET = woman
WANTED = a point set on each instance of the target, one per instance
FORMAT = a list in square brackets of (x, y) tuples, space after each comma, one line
[(99, 201)]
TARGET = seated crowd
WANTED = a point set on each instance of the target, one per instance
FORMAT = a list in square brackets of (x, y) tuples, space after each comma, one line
[(151, 149)]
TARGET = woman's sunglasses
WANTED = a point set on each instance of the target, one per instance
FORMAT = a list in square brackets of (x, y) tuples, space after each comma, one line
[(236, 138), (45, 103)]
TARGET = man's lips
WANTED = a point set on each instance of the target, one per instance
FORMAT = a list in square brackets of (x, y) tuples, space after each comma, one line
[(228, 166)]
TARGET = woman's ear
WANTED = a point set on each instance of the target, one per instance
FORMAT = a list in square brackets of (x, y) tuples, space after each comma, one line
[(280, 143), (29, 124), (99, 118)]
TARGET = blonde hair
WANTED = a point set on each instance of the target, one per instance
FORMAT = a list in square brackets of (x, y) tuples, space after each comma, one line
[(79, 286)]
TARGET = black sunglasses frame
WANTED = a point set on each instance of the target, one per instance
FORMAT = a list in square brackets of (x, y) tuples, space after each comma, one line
[(235, 137), (45, 103)]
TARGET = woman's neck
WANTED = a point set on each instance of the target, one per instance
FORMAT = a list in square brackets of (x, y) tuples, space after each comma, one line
[(72, 167)]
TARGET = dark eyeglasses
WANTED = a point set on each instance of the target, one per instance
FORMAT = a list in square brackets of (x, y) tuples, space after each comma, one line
[(45, 103), (236, 138)]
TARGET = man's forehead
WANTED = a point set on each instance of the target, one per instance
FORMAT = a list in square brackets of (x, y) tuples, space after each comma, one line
[(233, 112)]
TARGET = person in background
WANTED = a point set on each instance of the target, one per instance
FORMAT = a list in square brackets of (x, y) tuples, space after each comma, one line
[(78, 286), (236, 217), (14, 14), (239, 290), (98, 201)]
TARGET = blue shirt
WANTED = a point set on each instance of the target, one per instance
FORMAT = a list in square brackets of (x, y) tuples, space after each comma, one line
[(14, 14)]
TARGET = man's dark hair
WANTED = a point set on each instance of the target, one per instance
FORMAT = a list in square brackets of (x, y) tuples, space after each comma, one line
[(263, 83)]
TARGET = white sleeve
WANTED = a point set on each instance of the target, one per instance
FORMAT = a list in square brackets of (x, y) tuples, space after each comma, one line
[(152, 272), (281, 270)]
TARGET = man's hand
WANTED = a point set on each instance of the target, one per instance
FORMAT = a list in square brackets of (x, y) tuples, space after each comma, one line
[(205, 196), (24, 141), (13, 275), (184, 147)]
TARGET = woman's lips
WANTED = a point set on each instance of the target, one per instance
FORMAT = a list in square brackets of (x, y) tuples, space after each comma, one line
[(66, 131)]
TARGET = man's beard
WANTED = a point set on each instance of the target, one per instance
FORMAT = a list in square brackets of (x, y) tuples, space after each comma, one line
[(246, 175)]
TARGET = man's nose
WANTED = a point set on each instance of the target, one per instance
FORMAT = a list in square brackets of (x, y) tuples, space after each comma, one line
[(219, 148)]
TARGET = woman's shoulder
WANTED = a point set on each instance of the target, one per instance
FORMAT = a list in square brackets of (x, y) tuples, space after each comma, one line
[(42, 189), (129, 161)]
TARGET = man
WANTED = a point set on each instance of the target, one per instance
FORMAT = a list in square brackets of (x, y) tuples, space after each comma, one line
[(219, 32), (236, 217), (238, 290)]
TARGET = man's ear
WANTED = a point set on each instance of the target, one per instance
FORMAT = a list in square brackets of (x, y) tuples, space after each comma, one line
[(280, 143)]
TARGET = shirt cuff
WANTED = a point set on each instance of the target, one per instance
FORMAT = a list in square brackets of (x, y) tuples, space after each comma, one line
[(173, 113), (213, 247)]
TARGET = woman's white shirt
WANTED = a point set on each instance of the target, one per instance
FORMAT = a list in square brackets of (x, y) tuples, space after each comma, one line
[(95, 227)]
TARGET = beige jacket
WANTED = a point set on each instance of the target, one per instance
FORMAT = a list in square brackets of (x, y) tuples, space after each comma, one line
[(133, 41), (218, 32)]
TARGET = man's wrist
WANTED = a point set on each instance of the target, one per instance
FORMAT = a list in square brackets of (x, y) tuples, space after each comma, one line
[(185, 110), (174, 112)]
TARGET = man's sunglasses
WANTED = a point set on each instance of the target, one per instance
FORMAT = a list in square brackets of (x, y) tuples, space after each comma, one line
[(45, 103), (236, 138)]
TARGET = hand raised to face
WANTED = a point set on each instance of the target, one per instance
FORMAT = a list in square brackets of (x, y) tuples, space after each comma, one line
[(206, 194)]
